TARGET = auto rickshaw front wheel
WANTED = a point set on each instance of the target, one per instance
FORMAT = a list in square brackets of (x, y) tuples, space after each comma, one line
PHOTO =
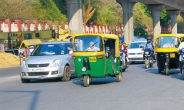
[(167, 71), (86, 80), (118, 77)]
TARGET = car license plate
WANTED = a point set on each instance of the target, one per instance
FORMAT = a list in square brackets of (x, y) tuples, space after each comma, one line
[(172, 55), (37, 69), (92, 59)]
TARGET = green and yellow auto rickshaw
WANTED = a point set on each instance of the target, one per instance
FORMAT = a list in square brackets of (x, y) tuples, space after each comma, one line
[(96, 56), (166, 48)]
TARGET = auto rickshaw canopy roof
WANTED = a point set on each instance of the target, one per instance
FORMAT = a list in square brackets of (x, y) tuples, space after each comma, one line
[(30, 42), (103, 36), (172, 48)]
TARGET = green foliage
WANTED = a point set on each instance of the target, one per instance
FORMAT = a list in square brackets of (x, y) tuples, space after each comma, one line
[(61, 5), (141, 20), (48, 11), (106, 15), (140, 31), (164, 18)]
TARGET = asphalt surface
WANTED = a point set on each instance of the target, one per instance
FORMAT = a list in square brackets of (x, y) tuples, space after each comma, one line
[(140, 89)]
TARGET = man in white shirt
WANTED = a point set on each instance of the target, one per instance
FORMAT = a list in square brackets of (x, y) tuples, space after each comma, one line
[(92, 47)]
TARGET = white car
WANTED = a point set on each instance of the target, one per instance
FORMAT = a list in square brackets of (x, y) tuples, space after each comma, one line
[(48, 60), (135, 52)]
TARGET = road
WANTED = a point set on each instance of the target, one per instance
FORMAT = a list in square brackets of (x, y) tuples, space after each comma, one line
[(140, 89)]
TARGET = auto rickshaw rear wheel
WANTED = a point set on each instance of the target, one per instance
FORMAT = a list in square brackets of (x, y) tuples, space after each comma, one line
[(159, 70), (118, 77), (66, 73), (86, 81)]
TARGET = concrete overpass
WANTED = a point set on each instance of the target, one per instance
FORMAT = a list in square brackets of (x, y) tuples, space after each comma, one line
[(173, 7)]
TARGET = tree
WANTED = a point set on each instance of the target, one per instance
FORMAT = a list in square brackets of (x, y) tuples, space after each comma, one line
[(87, 13)]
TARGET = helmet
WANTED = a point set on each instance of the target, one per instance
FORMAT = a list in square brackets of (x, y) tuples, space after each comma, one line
[(148, 38)]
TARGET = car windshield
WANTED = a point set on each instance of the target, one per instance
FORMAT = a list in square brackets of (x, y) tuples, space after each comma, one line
[(167, 42), (50, 49), (137, 45), (88, 43)]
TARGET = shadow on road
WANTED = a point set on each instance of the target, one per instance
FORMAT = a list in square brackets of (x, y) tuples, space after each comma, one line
[(175, 73), (50, 80), (135, 63), (33, 102), (177, 76), (95, 81)]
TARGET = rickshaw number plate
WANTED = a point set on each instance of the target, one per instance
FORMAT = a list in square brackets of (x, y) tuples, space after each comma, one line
[(172, 55), (92, 59)]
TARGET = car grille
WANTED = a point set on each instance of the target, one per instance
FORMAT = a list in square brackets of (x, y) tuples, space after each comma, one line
[(38, 65), (139, 53), (37, 73)]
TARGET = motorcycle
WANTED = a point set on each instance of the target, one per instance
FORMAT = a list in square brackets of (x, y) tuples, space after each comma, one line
[(124, 63), (148, 58), (182, 61)]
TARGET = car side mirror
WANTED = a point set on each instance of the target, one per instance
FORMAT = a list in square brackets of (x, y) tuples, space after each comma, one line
[(141, 46), (176, 46)]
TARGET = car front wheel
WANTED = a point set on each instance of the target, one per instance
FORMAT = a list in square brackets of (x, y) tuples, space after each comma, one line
[(66, 74)]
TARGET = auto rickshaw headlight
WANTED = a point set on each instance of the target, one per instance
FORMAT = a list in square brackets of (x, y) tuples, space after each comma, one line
[(83, 69)]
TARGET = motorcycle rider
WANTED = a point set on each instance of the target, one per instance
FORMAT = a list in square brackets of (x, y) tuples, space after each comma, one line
[(149, 45)]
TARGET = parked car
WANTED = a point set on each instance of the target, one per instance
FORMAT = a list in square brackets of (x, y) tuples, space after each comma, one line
[(135, 52), (48, 60), (12, 51)]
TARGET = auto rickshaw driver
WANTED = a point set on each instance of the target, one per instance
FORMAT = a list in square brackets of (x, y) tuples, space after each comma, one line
[(92, 47)]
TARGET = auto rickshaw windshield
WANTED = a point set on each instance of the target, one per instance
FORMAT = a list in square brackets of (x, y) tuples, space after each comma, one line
[(88, 43), (167, 42)]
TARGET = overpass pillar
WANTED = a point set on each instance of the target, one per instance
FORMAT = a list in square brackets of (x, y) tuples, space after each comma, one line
[(155, 11), (173, 15), (127, 7), (74, 13), (182, 15)]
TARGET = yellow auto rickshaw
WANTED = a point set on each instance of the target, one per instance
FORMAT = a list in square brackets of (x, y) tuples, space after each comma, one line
[(27, 45), (166, 48), (96, 56)]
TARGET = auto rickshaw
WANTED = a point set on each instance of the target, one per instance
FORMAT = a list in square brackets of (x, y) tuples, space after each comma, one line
[(96, 56), (166, 48)]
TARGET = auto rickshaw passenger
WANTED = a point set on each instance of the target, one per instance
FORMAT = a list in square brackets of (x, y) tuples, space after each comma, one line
[(149, 45), (92, 47)]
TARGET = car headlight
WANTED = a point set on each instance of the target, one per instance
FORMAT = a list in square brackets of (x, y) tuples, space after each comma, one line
[(146, 52), (55, 63), (23, 65)]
